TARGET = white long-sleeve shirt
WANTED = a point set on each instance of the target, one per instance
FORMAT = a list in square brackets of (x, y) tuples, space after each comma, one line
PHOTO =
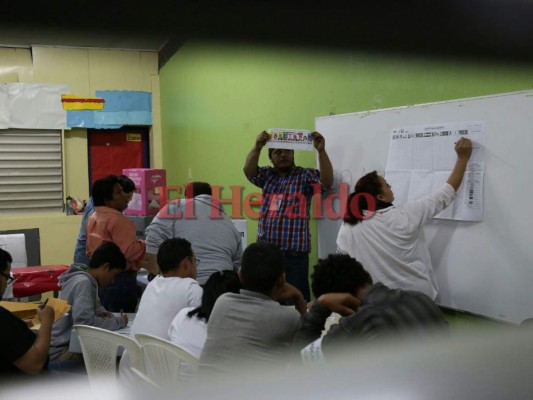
[(391, 244)]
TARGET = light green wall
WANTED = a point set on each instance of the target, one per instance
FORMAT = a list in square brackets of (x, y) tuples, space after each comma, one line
[(215, 98)]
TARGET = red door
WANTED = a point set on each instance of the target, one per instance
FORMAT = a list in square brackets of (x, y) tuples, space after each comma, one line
[(112, 150)]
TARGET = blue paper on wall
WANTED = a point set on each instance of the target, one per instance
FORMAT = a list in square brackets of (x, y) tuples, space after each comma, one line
[(102, 119), (125, 100), (80, 119), (122, 107)]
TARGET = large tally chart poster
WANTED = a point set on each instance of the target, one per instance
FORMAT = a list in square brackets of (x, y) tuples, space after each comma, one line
[(420, 161)]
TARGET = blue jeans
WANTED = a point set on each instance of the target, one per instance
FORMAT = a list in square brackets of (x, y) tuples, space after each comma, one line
[(297, 271), (121, 295)]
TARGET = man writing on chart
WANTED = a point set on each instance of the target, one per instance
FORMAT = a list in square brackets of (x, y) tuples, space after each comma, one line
[(287, 192)]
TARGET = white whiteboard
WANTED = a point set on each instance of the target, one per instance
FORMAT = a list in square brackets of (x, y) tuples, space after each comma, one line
[(485, 268)]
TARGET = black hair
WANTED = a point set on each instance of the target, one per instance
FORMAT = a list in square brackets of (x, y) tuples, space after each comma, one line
[(271, 150), (172, 252), (194, 189), (102, 191), (367, 186), (127, 184), (5, 258), (219, 282), (108, 252), (338, 273), (261, 267)]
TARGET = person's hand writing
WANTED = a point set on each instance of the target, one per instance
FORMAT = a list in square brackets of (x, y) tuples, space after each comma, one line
[(46, 314), (341, 303), (104, 314), (463, 148)]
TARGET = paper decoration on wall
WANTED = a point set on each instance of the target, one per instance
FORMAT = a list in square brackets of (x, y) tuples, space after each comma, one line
[(32, 106), (73, 102), (81, 119), (121, 108)]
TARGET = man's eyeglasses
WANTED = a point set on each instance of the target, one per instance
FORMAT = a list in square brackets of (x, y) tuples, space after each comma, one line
[(8, 277), (196, 260)]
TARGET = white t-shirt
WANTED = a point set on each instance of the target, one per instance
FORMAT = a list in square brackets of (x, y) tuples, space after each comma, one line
[(189, 333), (391, 244), (162, 299)]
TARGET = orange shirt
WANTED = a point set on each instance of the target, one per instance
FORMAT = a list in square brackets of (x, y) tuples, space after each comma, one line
[(109, 225)]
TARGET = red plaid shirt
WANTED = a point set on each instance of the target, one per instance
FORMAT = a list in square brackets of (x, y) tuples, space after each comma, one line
[(284, 216)]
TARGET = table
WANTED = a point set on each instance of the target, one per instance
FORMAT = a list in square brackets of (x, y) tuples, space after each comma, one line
[(34, 280)]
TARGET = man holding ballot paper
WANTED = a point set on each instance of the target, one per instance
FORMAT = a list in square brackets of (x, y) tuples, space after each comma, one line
[(287, 192)]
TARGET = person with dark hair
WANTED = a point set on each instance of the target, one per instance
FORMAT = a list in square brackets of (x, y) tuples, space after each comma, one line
[(287, 192), (80, 251), (194, 189), (166, 295), (339, 273), (128, 187), (383, 312), (189, 327), (392, 314), (79, 287), (251, 327), (107, 224), (387, 239), (170, 292), (201, 220), (23, 352)]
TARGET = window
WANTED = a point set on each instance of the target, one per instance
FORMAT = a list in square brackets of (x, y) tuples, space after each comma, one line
[(31, 174)]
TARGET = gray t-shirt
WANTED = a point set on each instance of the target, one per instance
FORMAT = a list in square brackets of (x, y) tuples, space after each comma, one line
[(214, 239), (248, 330)]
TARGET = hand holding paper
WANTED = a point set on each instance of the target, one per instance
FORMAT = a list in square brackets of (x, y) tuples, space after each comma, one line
[(261, 140), (318, 141)]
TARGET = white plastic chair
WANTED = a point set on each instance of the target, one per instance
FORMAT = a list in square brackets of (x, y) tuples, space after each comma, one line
[(145, 382), (100, 350), (165, 362)]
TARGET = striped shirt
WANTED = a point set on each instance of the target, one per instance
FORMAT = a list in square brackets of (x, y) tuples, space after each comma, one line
[(284, 216)]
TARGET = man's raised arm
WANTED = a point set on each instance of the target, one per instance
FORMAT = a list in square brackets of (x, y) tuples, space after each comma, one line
[(252, 159)]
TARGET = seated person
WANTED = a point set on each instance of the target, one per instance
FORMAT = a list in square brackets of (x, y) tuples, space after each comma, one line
[(252, 328), (383, 313), (23, 352), (79, 287), (189, 327), (336, 274), (201, 220), (166, 294), (170, 292)]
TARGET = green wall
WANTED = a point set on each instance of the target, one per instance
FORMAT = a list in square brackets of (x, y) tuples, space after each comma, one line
[(216, 97)]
